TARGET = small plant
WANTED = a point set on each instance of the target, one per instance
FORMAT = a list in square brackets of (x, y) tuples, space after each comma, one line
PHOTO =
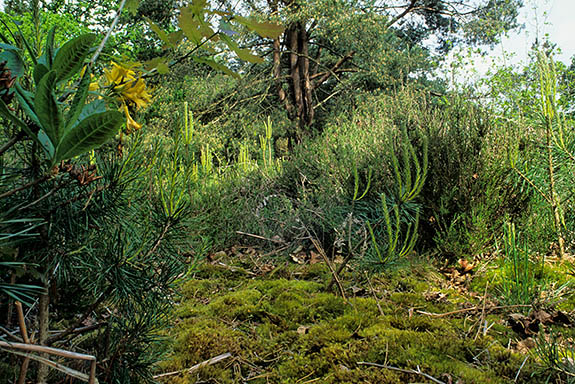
[(410, 175), (400, 226), (519, 284), (266, 145), (399, 244), (556, 355), (551, 122)]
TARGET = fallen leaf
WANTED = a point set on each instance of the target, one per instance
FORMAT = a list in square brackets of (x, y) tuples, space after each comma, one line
[(315, 258)]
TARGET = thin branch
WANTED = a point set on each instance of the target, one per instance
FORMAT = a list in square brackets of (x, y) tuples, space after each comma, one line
[(333, 69), (321, 251), (73, 328), (417, 372), (211, 361), (260, 237), (49, 350), (531, 183), (159, 240), (108, 34), (62, 368), (409, 8), (11, 334), (470, 309), (11, 142), (343, 70), (26, 186)]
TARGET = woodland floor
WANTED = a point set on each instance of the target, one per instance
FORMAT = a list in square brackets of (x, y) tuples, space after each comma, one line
[(275, 322)]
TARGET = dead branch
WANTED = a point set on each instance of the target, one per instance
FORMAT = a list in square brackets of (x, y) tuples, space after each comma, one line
[(206, 363), (414, 371)]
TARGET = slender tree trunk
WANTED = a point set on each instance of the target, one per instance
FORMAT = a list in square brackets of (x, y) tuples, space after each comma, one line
[(308, 113), (43, 325)]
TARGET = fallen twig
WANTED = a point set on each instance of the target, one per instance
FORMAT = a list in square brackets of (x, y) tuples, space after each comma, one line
[(482, 313), (374, 295), (91, 378), (260, 237), (417, 372), (211, 361), (520, 368), (321, 251), (470, 309)]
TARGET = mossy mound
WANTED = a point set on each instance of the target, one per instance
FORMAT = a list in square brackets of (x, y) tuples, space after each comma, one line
[(281, 330)]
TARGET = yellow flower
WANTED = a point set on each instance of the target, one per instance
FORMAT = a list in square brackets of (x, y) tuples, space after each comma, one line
[(127, 84), (131, 124), (94, 86), (135, 91), (119, 74)]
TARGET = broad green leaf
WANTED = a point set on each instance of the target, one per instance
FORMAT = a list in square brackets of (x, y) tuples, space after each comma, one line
[(9, 47), (175, 37), (13, 62), (158, 63), (39, 71), (96, 106), (215, 65), (243, 54), (26, 101), (49, 50), (198, 7), (132, 6), (70, 58), (160, 32), (264, 29), (190, 26), (78, 101), (46, 107), (7, 114), (46, 143), (89, 134)]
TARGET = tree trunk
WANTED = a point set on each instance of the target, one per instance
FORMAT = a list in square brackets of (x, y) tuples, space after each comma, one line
[(43, 324)]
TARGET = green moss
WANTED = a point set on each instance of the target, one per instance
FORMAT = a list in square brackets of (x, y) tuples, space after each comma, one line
[(282, 331)]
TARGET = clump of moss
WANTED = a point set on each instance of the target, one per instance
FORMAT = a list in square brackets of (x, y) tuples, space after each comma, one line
[(284, 331)]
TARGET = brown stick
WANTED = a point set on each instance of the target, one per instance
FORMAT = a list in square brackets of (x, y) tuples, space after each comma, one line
[(333, 271), (48, 350), (24, 333), (417, 372), (25, 186), (470, 309), (11, 142), (211, 361), (62, 368), (260, 237), (374, 295), (482, 312), (333, 69)]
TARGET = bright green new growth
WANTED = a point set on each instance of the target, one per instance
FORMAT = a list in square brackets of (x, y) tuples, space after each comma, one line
[(552, 123), (519, 285), (409, 185), (394, 234), (401, 239), (266, 144)]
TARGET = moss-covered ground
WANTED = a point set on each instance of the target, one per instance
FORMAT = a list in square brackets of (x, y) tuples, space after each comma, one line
[(281, 325)]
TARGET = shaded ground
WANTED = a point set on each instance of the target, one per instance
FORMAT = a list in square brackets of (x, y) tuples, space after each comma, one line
[(280, 325)]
